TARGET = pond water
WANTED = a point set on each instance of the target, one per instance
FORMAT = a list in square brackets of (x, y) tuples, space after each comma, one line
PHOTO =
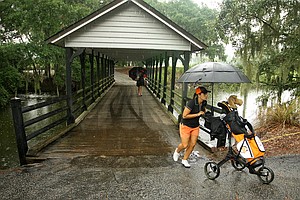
[(251, 105), (8, 148)]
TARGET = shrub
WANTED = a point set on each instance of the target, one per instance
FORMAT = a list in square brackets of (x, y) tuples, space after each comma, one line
[(286, 114), (4, 96)]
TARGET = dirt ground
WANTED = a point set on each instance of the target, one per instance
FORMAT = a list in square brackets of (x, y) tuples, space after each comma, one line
[(279, 140)]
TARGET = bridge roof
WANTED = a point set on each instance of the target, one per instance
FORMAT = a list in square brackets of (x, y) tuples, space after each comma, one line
[(128, 30)]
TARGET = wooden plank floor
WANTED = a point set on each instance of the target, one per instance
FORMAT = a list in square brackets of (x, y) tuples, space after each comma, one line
[(122, 124)]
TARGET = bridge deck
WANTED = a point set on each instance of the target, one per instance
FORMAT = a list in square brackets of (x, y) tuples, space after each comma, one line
[(122, 124)]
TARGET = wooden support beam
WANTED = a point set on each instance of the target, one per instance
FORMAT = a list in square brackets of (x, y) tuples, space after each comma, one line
[(98, 73), (174, 62), (69, 59), (185, 60), (83, 75), (163, 100), (159, 76), (91, 58), (19, 129)]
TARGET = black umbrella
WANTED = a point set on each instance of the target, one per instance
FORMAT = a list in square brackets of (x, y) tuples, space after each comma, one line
[(213, 72), (137, 71)]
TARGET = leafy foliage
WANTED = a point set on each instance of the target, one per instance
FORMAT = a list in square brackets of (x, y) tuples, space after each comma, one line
[(199, 21), (23, 31), (285, 114), (10, 77), (267, 40)]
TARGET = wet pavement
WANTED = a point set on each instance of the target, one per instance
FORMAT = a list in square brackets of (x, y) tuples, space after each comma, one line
[(123, 150), (145, 177)]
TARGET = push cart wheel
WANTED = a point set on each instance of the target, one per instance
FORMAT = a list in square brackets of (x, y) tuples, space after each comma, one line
[(211, 170), (266, 175), (238, 165)]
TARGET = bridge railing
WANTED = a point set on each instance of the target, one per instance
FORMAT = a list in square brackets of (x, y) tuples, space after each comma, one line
[(49, 119), (169, 98)]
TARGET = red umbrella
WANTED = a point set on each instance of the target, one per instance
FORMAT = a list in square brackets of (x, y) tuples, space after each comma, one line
[(136, 72)]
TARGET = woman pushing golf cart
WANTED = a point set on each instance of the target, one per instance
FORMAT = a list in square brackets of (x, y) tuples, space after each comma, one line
[(218, 72)]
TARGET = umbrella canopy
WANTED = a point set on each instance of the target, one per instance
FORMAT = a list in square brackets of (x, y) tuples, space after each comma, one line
[(214, 72), (137, 71)]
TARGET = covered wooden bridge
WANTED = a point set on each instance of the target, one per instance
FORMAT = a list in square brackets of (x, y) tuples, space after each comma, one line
[(124, 30)]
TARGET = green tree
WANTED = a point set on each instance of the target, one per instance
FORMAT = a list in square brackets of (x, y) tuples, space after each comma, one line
[(267, 40), (11, 58), (198, 20), (27, 23)]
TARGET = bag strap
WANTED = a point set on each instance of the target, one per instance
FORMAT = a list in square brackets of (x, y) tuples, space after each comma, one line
[(224, 106)]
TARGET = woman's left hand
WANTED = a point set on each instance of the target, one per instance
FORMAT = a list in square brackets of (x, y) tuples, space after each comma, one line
[(201, 113)]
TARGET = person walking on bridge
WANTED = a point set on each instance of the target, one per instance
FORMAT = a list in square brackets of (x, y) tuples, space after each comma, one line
[(140, 83), (189, 126)]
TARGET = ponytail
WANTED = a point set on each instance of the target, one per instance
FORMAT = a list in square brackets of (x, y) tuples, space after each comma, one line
[(195, 95)]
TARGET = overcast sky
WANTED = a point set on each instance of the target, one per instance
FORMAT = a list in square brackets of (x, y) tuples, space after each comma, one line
[(210, 3)]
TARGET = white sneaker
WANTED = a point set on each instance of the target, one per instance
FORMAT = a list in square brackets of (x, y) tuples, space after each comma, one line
[(185, 163), (176, 155)]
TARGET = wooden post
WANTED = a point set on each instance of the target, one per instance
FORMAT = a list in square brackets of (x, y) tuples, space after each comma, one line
[(149, 71), (19, 129), (91, 57), (174, 61), (156, 76), (163, 100), (113, 71), (103, 73), (82, 63), (98, 73), (186, 62), (69, 59), (159, 76)]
